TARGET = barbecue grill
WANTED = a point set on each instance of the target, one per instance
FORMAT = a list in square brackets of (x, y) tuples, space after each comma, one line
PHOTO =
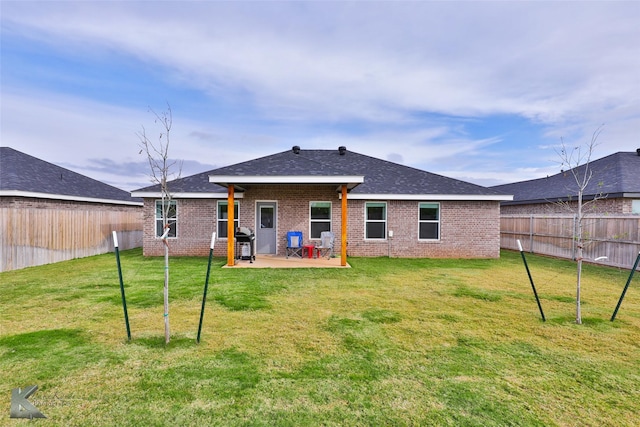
[(245, 244)]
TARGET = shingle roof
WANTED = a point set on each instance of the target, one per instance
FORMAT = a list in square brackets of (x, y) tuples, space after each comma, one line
[(380, 176), (616, 175), (384, 177), (22, 174), (198, 183)]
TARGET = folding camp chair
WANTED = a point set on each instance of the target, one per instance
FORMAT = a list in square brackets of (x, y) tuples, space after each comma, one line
[(294, 244), (326, 244)]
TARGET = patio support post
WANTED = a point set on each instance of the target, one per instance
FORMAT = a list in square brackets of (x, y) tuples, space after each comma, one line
[(343, 237), (230, 227)]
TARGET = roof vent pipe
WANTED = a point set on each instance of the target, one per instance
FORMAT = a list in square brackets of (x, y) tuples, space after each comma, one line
[(342, 149), (296, 149), (638, 151)]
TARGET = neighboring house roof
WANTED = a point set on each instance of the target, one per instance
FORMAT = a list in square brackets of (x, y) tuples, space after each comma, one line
[(366, 176), (23, 175), (613, 176), (193, 186)]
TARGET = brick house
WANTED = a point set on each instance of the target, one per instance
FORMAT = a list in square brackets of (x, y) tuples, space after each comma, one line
[(374, 207), (615, 182), (50, 214)]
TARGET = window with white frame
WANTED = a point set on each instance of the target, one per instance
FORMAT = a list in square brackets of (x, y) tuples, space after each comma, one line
[(319, 218), (429, 221), (223, 218), (375, 219), (635, 207), (171, 208)]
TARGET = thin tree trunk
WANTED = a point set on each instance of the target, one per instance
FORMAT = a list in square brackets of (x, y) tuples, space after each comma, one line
[(578, 310), (579, 258), (581, 176), (158, 158), (167, 333)]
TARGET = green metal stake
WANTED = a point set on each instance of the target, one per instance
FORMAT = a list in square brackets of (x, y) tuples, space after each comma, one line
[(633, 270), (124, 300), (531, 280), (206, 286)]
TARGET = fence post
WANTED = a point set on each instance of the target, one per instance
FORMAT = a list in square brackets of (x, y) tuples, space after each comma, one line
[(574, 234), (531, 225)]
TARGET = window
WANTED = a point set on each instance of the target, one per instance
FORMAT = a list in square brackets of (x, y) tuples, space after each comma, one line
[(172, 217), (375, 220), (320, 218), (223, 216), (635, 206), (429, 221)]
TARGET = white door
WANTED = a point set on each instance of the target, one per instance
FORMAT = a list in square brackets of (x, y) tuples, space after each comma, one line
[(266, 228)]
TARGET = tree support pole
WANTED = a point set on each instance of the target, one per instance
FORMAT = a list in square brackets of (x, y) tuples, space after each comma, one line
[(531, 280), (124, 300), (206, 286), (633, 270)]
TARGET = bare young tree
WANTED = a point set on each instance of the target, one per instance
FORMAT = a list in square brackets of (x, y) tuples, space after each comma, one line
[(577, 160), (161, 170)]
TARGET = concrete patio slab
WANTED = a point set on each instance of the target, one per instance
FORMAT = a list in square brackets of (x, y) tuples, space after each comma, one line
[(274, 261)]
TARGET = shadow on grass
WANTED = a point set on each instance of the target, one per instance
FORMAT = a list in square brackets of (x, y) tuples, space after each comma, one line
[(158, 342), (49, 353), (226, 374), (596, 323), (465, 291), (560, 298), (378, 315)]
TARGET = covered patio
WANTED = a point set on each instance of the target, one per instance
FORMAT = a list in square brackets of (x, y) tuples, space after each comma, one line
[(276, 261), (275, 186)]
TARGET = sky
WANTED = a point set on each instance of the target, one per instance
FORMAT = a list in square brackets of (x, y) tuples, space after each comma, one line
[(479, 91)]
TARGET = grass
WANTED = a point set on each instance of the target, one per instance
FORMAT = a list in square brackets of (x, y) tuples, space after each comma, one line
[(388, 342)]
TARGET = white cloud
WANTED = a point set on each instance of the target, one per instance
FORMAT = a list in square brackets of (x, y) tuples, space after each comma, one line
[(375, 60), (566, 66)]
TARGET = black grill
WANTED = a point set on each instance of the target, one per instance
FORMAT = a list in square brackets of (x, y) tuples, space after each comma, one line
[(245, 244)]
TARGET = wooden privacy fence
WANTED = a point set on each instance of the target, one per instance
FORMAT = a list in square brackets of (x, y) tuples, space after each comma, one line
[(616, 237), (31, 236)]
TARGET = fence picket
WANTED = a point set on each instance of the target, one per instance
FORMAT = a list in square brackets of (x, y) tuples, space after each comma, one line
[(34, 236), (616, 237)]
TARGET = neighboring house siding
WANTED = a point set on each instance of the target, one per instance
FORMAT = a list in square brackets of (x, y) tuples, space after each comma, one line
[(33, 202), (468, 229), (605, 206)]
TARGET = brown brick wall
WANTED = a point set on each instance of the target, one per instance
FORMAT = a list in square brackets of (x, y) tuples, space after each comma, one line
[(196, 222), (293, 209), (468, 229)]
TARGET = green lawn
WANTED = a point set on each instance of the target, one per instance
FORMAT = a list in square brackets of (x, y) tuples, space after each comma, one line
[(389, 342)]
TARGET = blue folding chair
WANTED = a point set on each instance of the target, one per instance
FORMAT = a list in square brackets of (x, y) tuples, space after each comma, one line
[(294, 244)]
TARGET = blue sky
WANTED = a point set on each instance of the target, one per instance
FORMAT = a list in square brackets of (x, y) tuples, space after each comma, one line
[(479, 91)]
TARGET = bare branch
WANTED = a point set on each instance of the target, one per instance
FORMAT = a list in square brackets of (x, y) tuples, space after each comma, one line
[(579, 166), (160, 170)]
